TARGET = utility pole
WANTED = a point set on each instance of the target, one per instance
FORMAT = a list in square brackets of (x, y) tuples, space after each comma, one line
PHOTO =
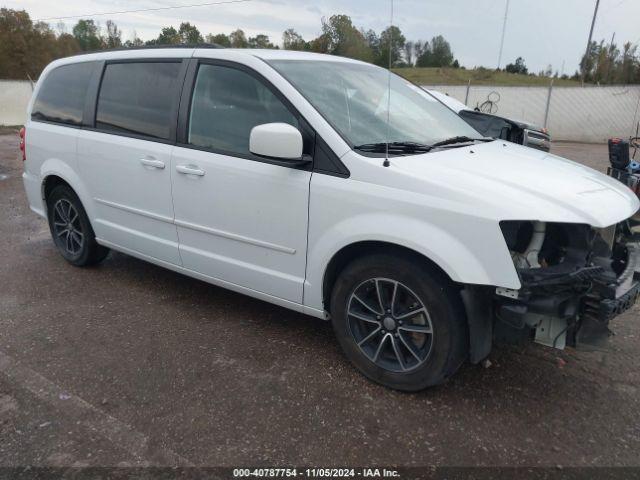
[(504, 27), (610, 57), (586, 53)]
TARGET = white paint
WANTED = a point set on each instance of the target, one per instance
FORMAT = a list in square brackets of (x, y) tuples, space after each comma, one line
[(270, 231), (276, 140)]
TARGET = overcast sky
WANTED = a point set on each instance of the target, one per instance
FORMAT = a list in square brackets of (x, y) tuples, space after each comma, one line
[(542, 31)]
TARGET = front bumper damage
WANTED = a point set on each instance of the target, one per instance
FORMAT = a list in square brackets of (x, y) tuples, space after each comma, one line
[(572, 301)]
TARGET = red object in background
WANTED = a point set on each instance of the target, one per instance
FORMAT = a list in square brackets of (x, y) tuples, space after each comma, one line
[(23, 145)]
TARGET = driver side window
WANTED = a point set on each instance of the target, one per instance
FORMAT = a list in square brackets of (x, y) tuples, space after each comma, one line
[(227, 103)]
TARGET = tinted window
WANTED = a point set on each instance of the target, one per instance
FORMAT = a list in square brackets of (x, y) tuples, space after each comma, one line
[(227, 103), (61, 97), (138, 98)]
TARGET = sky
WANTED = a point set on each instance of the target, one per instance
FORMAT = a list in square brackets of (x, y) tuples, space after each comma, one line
[(543, 32)]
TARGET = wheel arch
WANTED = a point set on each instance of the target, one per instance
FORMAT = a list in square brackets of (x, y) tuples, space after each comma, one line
[(55, 172), (355, 250)]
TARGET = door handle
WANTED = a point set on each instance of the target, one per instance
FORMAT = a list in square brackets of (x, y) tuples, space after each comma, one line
[(150, 162), (190, 170)]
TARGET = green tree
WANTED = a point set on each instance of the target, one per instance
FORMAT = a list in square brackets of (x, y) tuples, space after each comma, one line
[(87, 34), (320, 44), (392, 43), (292, 40), (168, 36), (373, 42), (589, 60), (344, 38), (628, 64), (189, 34), (260, 41), (238, 39), (437, 53), (114, 35), (67, 45), (517, 67), (25, 48), (219, 39)]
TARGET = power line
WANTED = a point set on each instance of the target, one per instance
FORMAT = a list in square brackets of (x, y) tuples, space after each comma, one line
[(144, 10)]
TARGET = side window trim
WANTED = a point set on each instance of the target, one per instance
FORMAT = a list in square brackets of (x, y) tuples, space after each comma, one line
[(91, 101), (187, 97), (92, 109)]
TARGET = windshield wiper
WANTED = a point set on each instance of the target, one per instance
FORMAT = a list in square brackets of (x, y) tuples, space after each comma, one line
[(394, 147), (459, 139), (398, 148)]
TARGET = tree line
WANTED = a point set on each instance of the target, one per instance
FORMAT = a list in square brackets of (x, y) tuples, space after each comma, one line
[(607, 63), (26, 47)]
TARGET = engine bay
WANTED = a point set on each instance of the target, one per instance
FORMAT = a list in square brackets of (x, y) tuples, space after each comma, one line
[(575, 279)]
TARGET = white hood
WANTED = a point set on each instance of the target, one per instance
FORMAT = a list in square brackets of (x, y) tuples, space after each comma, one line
[(506, 181)]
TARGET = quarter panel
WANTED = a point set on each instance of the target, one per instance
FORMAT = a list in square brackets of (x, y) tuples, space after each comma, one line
[(51, 150)]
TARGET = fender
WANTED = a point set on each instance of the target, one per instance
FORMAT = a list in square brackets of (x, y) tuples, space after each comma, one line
[(456, 259), (59, 168)]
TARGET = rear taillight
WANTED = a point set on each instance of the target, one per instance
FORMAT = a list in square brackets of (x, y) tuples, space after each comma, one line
[(23, 145)]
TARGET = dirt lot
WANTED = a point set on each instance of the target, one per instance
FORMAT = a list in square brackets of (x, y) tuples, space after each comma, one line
[(130, 364)]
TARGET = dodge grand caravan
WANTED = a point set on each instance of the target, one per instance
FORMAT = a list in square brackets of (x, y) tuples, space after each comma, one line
[(328, 186)]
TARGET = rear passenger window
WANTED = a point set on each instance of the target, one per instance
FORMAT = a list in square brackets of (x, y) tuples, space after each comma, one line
[(227, 103), (138, 98), (62, 95)]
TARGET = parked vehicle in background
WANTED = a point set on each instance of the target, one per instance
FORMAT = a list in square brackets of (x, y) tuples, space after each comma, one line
[(495, 126), (334, 188)]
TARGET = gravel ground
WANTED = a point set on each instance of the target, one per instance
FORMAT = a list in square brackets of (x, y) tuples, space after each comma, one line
[(130, 364)]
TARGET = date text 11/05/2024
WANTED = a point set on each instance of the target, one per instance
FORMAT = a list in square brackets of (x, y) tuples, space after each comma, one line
[(316, 472)]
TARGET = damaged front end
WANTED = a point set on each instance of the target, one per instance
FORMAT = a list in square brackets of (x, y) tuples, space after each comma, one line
[(575, 279)]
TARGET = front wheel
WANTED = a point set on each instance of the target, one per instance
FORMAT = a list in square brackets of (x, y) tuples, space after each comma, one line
[(400, 322), (71, 229)]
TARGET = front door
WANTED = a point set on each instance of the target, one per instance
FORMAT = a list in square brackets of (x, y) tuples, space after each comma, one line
[(241, 218)]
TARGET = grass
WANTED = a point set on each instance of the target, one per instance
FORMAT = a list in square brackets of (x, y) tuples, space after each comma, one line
[(478, 76)]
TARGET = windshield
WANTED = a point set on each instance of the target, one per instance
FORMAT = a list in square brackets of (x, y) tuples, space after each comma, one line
[(354, 99)]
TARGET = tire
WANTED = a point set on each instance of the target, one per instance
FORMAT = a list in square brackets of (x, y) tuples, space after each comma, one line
[(411, 358), (75, 240)]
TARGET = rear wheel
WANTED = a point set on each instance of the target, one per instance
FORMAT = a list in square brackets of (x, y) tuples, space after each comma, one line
[(399, 322), (71, 229)]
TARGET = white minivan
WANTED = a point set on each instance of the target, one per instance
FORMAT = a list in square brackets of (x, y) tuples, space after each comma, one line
[(331, 187)]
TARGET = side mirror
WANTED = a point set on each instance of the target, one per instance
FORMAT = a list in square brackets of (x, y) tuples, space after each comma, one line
[(276, 140)]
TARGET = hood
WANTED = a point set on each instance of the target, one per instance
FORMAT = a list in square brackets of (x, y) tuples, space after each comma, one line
[(506, 181)]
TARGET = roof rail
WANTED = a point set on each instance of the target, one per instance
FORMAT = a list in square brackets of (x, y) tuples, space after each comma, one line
[(150, 47)]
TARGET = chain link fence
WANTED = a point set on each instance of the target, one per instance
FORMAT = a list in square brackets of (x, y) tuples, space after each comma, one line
[(577, 114)]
